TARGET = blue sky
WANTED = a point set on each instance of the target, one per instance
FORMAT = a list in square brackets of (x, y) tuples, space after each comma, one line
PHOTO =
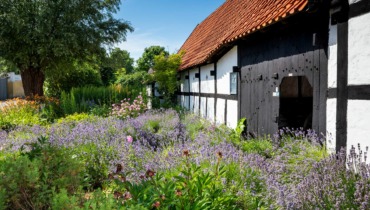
[(162, 22)]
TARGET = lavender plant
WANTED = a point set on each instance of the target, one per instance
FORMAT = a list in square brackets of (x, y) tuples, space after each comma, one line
[(292, 171)]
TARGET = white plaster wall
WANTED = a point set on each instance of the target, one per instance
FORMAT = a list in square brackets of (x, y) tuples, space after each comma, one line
[(203, 108), (207, 81), (232, 113), (358, 130), (211, 109), (194, 104), (220, 111), (224, 67), (184, 102), (149, 94), (359, 50), (194, 82), (184, 83), (191, 108), (332, 57), (331, 122)]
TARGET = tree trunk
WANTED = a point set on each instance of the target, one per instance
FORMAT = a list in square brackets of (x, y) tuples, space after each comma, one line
[(33, 81)]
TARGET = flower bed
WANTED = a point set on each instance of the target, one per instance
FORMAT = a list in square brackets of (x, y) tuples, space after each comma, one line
[(161, 160)]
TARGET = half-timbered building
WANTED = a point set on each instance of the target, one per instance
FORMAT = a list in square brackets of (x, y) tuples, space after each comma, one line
[(282, 63)]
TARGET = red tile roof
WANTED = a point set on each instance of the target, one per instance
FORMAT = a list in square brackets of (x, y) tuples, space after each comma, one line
[(231, 21)]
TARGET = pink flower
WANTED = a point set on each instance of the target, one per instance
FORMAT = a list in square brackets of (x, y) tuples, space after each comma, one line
[(129, 139)]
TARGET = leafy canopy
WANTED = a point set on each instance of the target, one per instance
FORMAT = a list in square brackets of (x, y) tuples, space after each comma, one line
[(165, 73), (119, 59), (42, 32), (38, 35), (146, 61)]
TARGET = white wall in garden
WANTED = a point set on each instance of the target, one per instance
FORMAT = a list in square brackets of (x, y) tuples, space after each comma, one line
[(194, 82), (331, 123), (211, 109), (331, 104), (224, 67), (203, 107), (184, 102), (206, 106), (359, 50), (184, 83), (220, 111), (358, 115), (358, 124), (194, 104), (332, 57), (232, 113), (207, 81)]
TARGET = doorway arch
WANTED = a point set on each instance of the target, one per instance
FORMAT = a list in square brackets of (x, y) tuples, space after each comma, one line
[(296, 103)]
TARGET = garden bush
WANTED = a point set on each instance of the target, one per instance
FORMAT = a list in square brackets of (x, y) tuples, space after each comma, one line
[(86, 99), (29, 111), (129, 109), (29, 181)]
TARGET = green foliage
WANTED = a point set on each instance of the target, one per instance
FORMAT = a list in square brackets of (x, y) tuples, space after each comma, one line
[(189, 188), (235, 180), (107, 75), (115, 66), (38, 35), (73, 75), (262, 146), (63, 200), (147, 60), (96, 158), (136, 80), (194, 125), (120, 59), (41, 171), (165, 74), (85, 99), (19, 112), (101, 111), (75, 118), (6, 66), (240, 127)]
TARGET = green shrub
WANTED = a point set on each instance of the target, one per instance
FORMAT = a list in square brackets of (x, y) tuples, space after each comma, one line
[(63, 200), (188, 188), (75, 118), (101, 111), (31, 179), (19, 112), (195, 124), (97, 158), (86, 98)]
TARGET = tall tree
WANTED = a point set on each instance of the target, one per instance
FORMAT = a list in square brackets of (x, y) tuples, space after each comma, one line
[(115, 64), (37, 35), (119, 59), (146, 61)]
